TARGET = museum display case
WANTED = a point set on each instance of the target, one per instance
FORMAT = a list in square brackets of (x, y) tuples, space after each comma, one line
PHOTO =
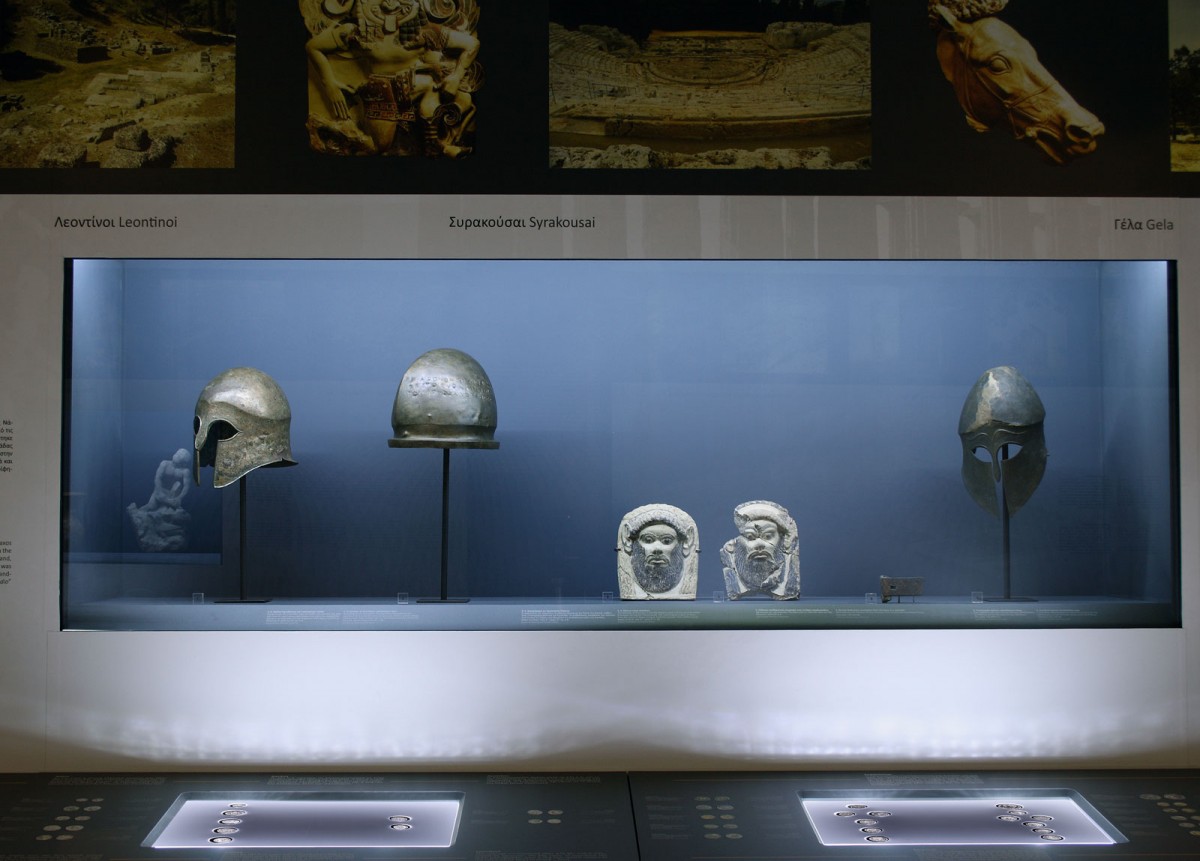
[(845, 392)]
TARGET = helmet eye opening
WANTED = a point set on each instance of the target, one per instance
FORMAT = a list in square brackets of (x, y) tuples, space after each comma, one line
[(223, 430), (983, 455)]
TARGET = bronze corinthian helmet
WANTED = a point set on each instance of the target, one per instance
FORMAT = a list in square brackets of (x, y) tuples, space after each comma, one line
[(243, 421), (1002, 409)]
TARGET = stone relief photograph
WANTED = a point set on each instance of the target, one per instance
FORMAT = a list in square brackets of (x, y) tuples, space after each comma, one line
[(710, 85), (392, 77), (1185, 84), (117, 83), (1002, 85), (996, 94)]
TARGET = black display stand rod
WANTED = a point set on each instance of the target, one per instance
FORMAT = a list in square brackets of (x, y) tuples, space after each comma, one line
[(445, 524), (444, 596), (1004, 528), (241, 598), (242, 538), (1005, 537)]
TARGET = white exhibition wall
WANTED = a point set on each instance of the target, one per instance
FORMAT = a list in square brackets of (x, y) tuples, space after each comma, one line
[(557, 699)]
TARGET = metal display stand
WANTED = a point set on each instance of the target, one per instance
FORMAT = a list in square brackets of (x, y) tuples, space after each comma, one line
[(242, 599), (1005, 539), (445, 446)]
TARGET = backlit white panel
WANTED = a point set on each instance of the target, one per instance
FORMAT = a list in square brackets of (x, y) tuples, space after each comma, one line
[(995, 820), (206, 820)]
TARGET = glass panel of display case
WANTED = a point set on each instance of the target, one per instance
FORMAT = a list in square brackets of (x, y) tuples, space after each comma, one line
[(837, 444)]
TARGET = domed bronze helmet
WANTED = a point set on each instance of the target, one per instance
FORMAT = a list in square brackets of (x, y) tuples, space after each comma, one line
[(243, 421), (444, 400), (1002, 409)]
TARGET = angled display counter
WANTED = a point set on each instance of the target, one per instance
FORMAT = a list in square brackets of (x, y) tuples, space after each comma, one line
[(995, 815), (317, 816), (603, 816)]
